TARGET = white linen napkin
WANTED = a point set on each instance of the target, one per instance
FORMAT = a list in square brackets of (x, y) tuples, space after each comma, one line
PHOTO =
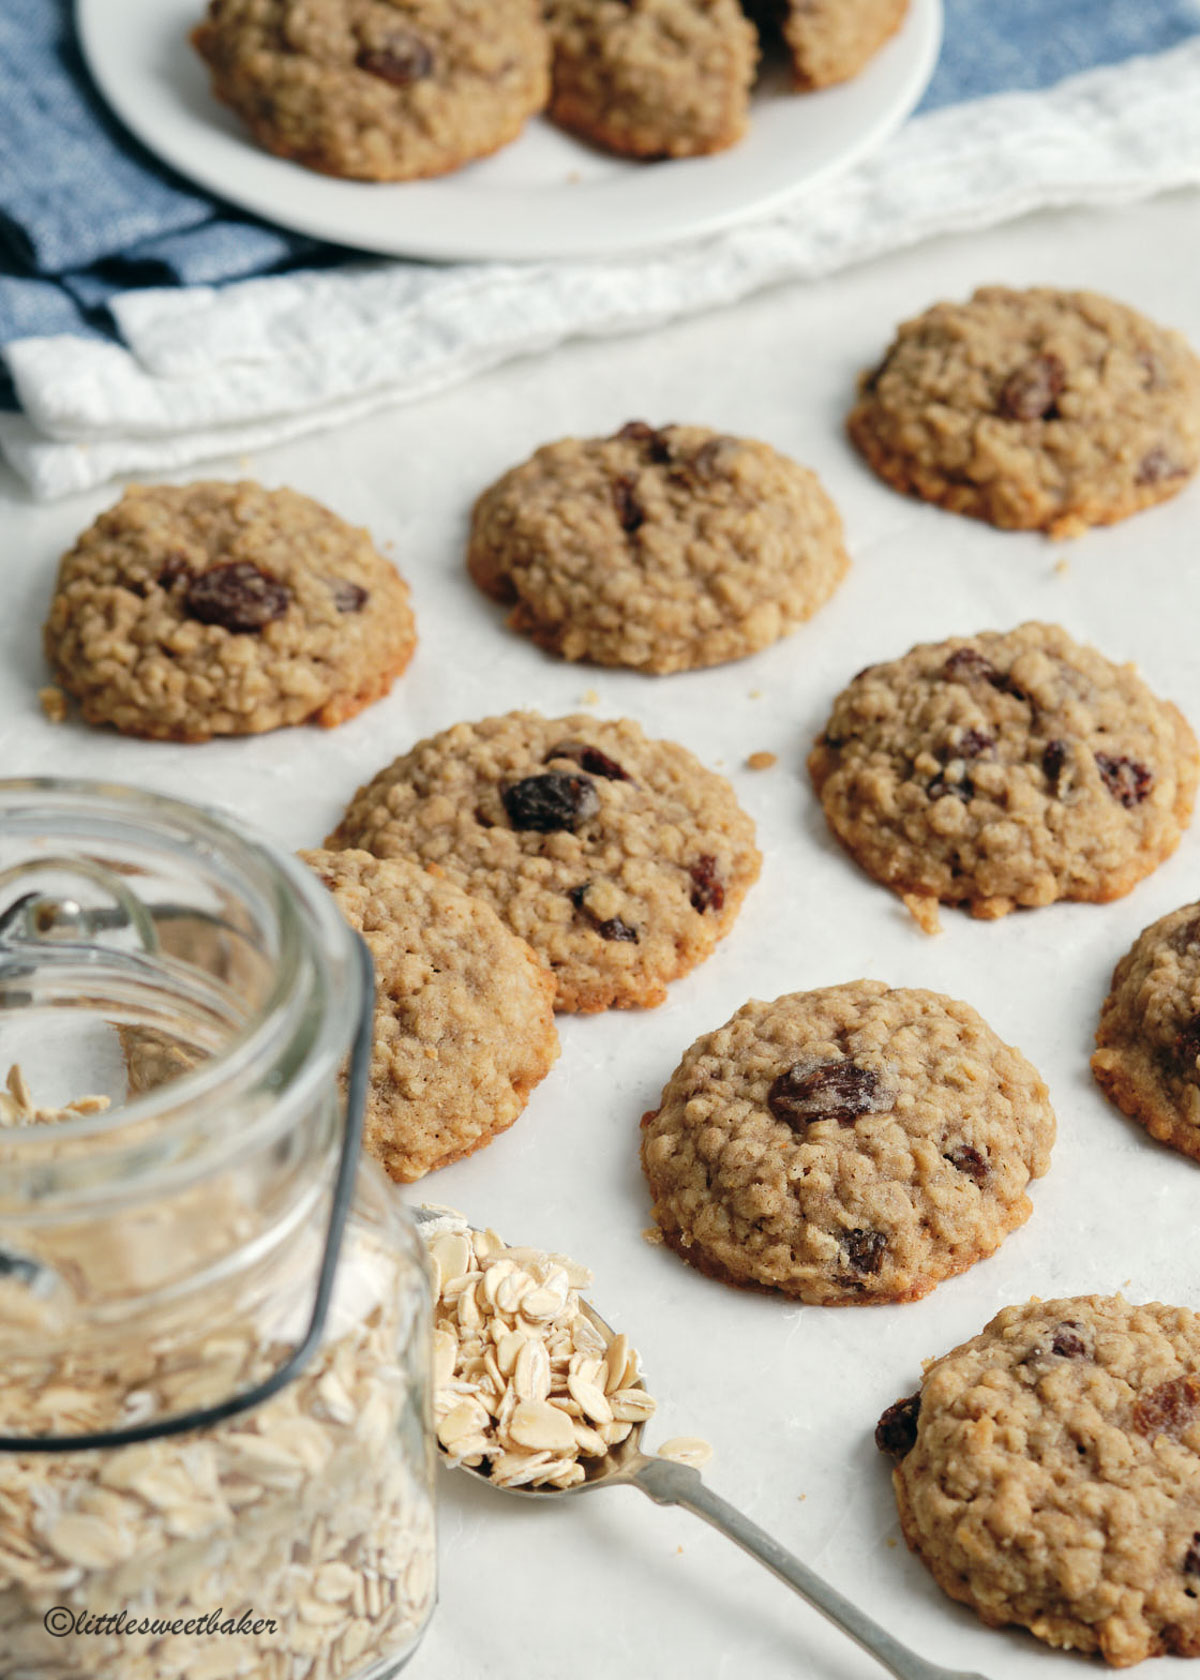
[(211, 371)]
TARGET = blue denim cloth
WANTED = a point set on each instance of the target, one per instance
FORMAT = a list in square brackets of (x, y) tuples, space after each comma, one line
[(1001, 46), (86, 212)]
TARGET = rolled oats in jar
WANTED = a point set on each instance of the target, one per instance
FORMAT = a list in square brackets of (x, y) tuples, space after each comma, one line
[(215, 1442)]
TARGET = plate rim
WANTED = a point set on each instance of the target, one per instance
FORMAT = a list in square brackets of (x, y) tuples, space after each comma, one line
[(923, 27)]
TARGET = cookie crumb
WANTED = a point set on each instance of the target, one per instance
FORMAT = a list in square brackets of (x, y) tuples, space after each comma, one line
[(1062, 565), (755, 694), (890, 1542), (762, 761), (54, 703), (924, 911), (589, 698), (653, 1236)]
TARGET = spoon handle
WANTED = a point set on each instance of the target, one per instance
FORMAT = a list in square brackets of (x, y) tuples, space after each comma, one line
[(668, 1483)]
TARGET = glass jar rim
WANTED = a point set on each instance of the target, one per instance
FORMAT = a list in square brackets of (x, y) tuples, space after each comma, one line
[(317, 983)]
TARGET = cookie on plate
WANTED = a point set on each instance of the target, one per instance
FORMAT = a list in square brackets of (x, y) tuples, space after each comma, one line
[(656, 78), (464, 1012), (1148, 1055), (1004, 769), (620, 859), (194, 610), (1048, 1474), (846, 1146), (830, 40), (378, 90), (660, 549), (1039, 410)]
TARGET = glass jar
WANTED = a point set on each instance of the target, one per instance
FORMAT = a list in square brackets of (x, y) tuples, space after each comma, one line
[(216, 1454)]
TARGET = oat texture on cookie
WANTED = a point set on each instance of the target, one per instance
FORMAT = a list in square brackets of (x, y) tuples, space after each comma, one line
[(1148, 1042), (660, 548), (622, 860), (464, 1012), (830, 41), (1048, 1474), (846, 1146), (188, 611), (1038, 410), (380, 90), (661, 78), (1005, 769)]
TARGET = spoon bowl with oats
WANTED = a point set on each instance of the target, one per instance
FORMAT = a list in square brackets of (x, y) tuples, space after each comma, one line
[(537, 1395)]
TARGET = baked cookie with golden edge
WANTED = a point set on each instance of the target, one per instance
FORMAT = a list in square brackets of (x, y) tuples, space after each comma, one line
[(847, 1146), (621, 860), (194, 610), (1048, 1474), (1148, 1055), (378, 90), (1008, 768), (829, 41), (464, 1012), (1035, 410), (660, 549), (652, 78)]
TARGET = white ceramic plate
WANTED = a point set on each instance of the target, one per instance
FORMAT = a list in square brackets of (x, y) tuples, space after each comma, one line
[(546, 195)]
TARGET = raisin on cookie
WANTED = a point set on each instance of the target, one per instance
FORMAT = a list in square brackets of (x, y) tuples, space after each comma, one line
[(1148, 1041), (846, 1146), (620, 859), (652, 78), (1048, 1474), (188, 611), (1035, 410), (464, 1012), (662, 549), (1004, 769), (378, 90)]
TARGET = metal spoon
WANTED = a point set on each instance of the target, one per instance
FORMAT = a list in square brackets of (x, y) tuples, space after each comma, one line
[(671, 1483)]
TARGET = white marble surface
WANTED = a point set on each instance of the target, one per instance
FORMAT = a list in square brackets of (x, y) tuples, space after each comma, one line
[(609, 1584)]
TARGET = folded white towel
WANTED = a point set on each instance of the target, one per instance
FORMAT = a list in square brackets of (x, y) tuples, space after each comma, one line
[(205, 371)]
